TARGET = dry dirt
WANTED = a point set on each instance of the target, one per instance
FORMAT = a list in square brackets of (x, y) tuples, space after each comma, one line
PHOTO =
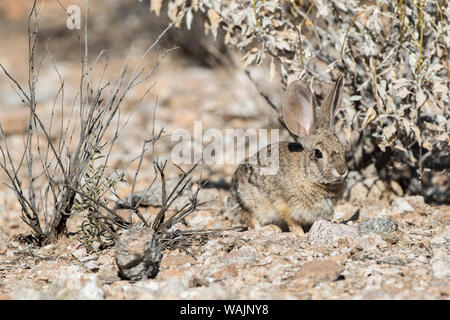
[(378, 246)]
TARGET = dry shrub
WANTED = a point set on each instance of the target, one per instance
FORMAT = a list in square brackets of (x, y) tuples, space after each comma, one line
[(393, 54), (63, 166)]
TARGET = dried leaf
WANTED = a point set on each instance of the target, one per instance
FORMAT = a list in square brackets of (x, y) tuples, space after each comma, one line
[(355, 98), (195, 5), (172, 11), (389, 132), (417, 134), (272, 68), (439, 51), (206, 27), (155, 6), (427, 145), (443, 137), (403, 92), (189, 19), (214, 19), (251, 56), (420, 98), (370, 115)]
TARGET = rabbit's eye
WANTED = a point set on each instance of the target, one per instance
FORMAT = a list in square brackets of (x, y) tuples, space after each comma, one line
[(317, 153)]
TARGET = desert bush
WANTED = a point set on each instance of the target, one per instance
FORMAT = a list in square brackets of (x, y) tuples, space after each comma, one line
[(65, 160), (64, 168), (393, 55)]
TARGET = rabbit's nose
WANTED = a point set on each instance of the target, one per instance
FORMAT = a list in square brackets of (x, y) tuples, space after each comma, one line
[(342, 171), (340, 174)]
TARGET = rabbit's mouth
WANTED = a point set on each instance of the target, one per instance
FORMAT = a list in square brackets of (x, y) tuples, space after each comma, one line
[(336, 177)]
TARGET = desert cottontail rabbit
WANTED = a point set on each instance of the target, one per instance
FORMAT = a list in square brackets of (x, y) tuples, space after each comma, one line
[(311, 174)]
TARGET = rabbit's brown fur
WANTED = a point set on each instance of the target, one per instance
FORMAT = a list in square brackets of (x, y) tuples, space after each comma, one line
[(311, 174)]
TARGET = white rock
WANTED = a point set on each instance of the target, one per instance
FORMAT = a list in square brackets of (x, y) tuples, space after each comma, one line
[(73, 284), (401, 205), (80, 253), (326, 234), (407, 204), (441, 268), (91, 257), (92, 266), (152, 285), (410, 256)]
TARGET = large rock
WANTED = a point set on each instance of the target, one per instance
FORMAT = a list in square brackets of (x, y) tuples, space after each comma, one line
[(326, 234), (138, 254)]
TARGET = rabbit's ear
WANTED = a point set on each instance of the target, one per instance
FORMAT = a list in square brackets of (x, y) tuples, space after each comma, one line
[(298, 109), (330, 104)]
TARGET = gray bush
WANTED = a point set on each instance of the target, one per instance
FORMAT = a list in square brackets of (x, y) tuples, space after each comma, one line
[(394, 57)]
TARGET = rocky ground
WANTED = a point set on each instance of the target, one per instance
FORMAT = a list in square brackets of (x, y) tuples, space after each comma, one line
[(397, 251), (379, 245)]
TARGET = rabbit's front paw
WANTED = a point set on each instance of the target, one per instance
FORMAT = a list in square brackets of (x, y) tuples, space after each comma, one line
[(296, 228)]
